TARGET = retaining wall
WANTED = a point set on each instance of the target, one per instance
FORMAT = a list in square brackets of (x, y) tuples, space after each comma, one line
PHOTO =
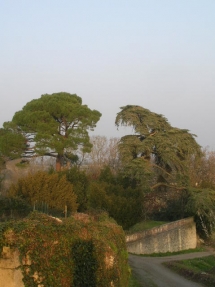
[(172, 237)]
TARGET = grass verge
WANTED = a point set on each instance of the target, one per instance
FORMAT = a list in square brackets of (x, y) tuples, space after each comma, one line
[(198, 249), (144, 225), (199, 269), (133, 282)]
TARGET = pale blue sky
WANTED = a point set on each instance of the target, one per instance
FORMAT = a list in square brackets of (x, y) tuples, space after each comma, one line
[(159, 54)]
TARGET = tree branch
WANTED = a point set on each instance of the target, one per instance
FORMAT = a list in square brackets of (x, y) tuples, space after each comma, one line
[(167, 185)]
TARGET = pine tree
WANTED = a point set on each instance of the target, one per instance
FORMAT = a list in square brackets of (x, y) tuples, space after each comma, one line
[(156, 153)]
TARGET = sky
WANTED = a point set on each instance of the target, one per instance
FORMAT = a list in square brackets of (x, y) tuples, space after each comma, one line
[(158, 54)]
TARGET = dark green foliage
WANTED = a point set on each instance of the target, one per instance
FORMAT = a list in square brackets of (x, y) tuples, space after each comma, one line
[(57, 124), (171, 206), (119, 195), (119, 178), (13, 208), (106, 175), (85, 264), (80, 184), (126, 210), (123, 204), (157, 153), (97, 197), (201, 204), (12, 142)]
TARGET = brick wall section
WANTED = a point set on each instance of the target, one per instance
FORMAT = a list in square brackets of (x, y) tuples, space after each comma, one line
[(172, 237)]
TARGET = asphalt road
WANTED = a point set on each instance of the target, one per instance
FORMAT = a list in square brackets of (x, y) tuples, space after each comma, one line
[(151, 272)]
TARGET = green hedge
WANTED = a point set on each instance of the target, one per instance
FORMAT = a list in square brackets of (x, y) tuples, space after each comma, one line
[(13, 207), (81, 251)]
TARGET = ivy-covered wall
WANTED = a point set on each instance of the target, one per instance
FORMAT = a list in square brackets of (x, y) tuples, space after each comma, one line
[(78, 251)]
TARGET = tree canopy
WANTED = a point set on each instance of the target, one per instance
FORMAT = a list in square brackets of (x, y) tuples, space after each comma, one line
[(156, 150), (58, 124), (12, 142)]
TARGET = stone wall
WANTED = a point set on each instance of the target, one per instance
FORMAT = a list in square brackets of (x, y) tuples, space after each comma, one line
[(84, 236), (10, 273), (172, 237)]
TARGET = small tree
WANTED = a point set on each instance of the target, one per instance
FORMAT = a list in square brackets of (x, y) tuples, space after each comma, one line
[(124, 204), (80, 183), (53, 190)]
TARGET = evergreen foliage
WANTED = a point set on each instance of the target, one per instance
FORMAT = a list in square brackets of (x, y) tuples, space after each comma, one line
[(13, 208), (12, 142), (201, 204), (167, 206), (124, 204), (80, 184), (53, 190), (58, 124), (157, 153)]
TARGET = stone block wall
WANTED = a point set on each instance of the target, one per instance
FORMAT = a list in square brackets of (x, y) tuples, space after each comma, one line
[(172, 237), (10, 273)]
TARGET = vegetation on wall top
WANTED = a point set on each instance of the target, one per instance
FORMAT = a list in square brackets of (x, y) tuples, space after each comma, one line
[(78, 251)]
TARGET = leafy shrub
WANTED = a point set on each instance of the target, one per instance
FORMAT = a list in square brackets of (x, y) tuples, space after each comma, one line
[(13, 207), (80, 184), (41, 187), (167, 206), (124, 205)]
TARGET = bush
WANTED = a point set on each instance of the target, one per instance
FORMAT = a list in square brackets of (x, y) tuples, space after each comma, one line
[(50, 189), (167, 206), (13, 208), (124, 205), (80, 184)]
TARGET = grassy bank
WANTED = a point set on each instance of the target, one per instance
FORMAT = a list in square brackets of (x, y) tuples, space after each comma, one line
[(144, 225), (133, 282), (199, 269), (187, 251)]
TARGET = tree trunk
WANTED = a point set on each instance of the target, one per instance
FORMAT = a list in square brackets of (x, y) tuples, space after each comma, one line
[(58, 162), (65, 211)]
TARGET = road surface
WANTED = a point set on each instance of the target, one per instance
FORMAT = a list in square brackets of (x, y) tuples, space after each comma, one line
[(151, 272)]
